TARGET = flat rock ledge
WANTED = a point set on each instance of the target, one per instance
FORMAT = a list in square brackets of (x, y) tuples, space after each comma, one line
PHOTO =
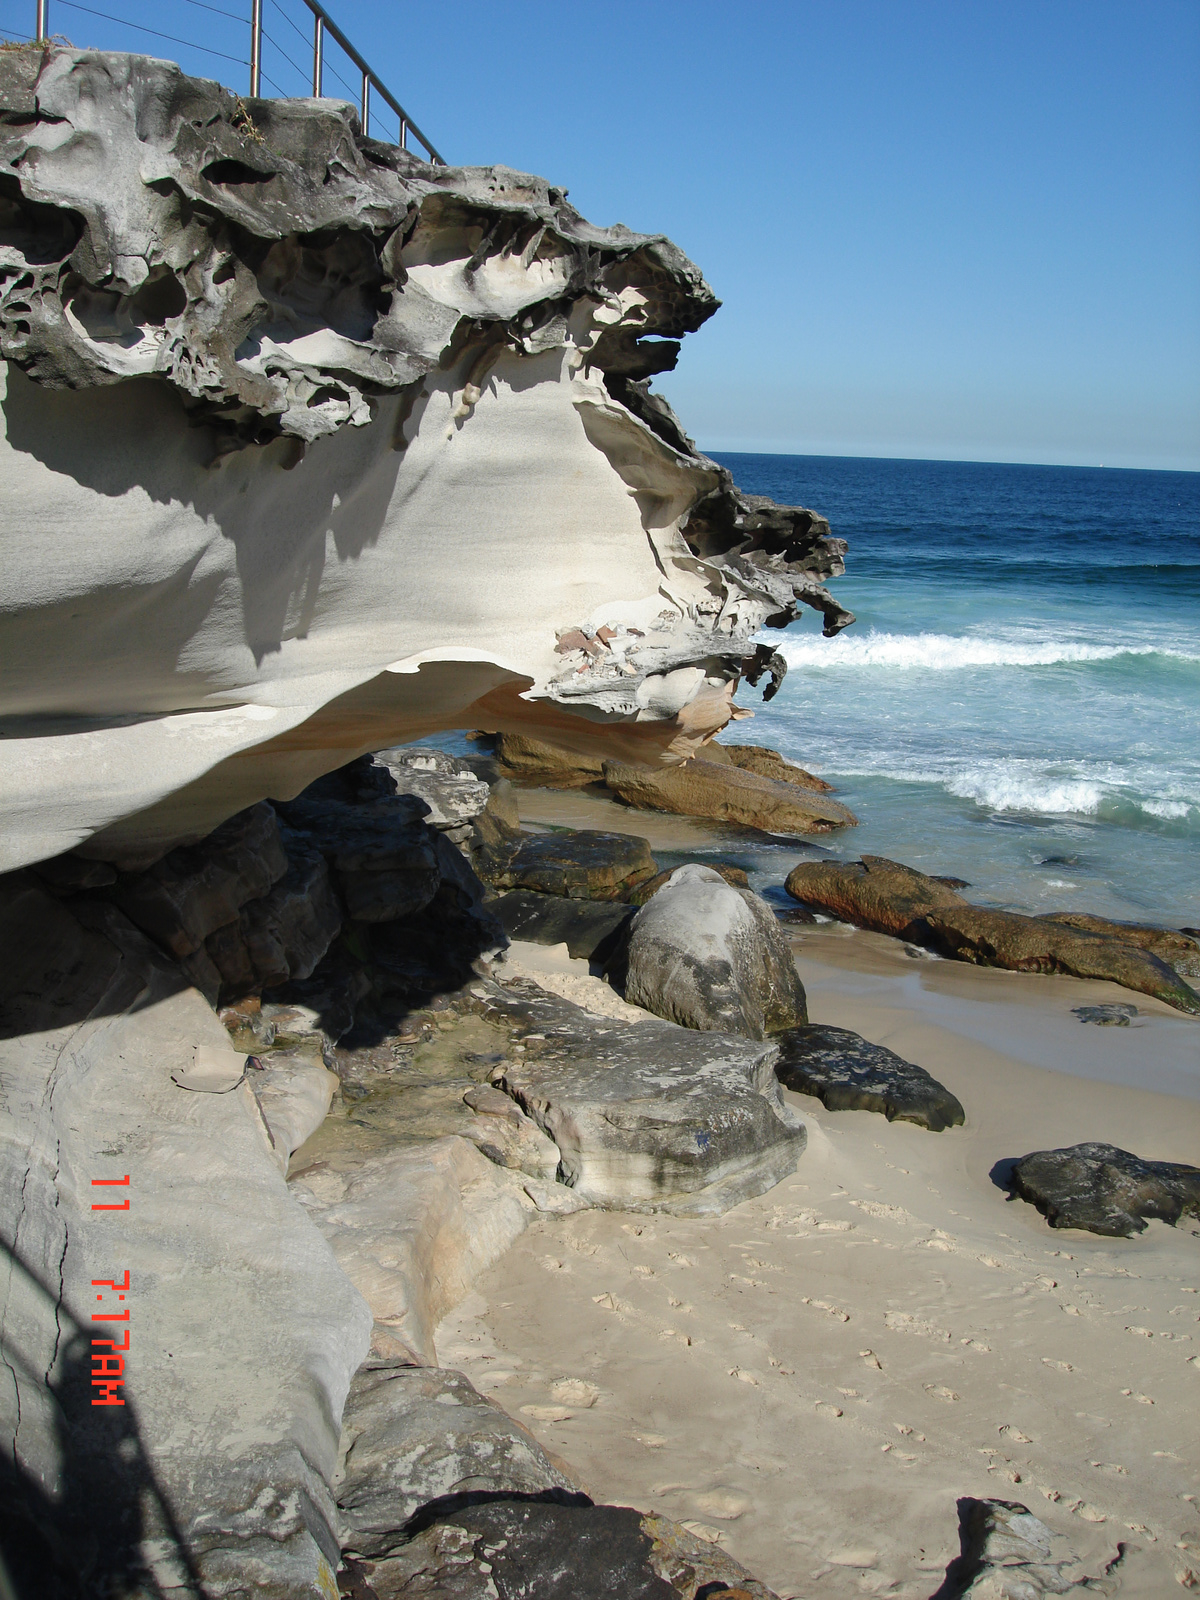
[(888, 897), (846, 1073), (727, 793), (1106, 1190), (647, 1116)]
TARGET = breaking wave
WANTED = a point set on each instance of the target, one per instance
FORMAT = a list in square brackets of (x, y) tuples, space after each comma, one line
[(943, 652)]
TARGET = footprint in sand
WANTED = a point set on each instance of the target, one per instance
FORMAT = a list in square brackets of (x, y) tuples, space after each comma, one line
[(825, 1409), (727, 1505), (1059, 1366), (940, 1391), (1013, 1434), (1088, 1512), (876, 1208), (871, 1359), (651, 1441), (835, 1312), (574, 1392), (743, 1376), (547, 1413), (902, 1322)]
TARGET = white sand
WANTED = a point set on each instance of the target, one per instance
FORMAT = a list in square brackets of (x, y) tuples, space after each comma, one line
[(1002, 1358)]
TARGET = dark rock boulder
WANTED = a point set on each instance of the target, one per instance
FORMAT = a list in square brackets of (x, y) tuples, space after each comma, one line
[(196, 889), (846, 1073), (579, 864), (412, 1436), (709, 956), (546, 1550), (646, 1115), (1106, 1016), (590, 929), (383, 856), (890, 898), (1106, 1190), (283, 935), (726, 793)]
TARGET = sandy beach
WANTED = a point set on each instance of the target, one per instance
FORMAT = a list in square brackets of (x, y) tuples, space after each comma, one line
[(815, 1378)]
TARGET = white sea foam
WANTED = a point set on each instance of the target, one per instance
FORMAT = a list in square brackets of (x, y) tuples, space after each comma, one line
[(1169, 810), (945, 652), (1037, 792)]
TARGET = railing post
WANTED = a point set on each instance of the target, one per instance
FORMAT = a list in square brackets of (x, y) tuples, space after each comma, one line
[(318, 52), (366, 105), (255, 47), (403, 134), (41, 20)]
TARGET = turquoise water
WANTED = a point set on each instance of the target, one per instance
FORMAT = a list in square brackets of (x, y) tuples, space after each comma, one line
[(1018, 702)]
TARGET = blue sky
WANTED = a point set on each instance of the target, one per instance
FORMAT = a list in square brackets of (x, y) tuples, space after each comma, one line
[(940, 228)]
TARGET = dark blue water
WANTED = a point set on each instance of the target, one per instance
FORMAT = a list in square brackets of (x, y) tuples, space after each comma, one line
[(1019, 700)]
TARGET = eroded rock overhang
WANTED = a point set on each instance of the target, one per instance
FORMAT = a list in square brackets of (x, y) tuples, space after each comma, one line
[(311, 448)]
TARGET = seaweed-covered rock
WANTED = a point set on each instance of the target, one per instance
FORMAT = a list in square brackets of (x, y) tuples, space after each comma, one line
[(726, 793), (1177, 948), (580, 863), (846, 1073), (1106, 1190), (767, 763), (707, 955), (891, 898)]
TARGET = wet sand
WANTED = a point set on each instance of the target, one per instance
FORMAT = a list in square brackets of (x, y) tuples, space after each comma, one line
[(817, 1377)]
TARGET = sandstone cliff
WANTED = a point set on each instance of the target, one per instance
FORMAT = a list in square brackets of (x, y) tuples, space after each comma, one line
[(310, 448)]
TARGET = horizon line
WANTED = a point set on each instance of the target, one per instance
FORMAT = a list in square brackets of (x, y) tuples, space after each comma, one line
[(964, 461)]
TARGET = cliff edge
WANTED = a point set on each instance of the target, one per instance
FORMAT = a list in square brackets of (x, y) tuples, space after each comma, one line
[(310, 448)]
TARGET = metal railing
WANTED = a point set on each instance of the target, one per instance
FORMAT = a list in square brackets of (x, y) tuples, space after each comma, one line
[(323, 24)]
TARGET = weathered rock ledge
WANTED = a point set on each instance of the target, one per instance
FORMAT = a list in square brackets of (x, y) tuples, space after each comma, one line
[(890, 898), (265, 381)]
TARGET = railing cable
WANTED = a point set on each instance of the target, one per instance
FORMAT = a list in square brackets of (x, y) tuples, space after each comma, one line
[(154, 32), (323, 24)]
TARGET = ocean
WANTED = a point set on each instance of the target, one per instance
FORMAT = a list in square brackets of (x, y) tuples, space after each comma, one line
[(1018, 702)]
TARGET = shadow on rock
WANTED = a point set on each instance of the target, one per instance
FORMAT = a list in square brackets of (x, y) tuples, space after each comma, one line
[(85, 1538)]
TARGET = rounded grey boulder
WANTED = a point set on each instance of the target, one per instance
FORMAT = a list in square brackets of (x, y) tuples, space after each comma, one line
[(711, 956)]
